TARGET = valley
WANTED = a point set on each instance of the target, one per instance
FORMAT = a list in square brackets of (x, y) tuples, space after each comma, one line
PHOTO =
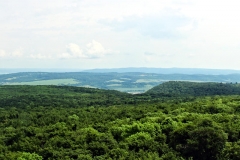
[(131, 82)]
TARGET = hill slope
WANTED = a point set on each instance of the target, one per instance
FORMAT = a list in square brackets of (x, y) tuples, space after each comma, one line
[(22, 96), (176, 88), (51, 96)]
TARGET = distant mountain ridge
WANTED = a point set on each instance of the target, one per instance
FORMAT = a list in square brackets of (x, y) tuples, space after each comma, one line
[(168, 70), (126, 70)]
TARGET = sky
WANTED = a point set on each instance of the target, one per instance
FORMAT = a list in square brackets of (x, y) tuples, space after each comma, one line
[(87, 34)]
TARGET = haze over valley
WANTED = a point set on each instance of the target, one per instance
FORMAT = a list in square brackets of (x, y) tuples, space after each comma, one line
[(131, 80)]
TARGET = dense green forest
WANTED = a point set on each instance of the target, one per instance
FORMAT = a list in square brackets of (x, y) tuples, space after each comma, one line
[(176, 88), (175, 120)]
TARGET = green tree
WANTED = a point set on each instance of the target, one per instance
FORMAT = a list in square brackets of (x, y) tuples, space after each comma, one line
[(29, 156), (201, 142)]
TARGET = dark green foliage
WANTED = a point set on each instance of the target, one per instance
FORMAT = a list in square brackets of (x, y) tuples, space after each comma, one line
[(56, 96), (176, 88), (50, 122), (201, 141)]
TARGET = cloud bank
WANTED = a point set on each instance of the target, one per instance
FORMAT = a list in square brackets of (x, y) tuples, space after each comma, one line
[(92, 50), (113, 34)]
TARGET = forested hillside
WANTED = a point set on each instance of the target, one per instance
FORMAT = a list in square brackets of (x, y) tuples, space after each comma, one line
[(64, 122), (178, 88), (56, 96)]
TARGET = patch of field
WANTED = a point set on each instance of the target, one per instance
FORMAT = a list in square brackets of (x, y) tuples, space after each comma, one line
[(114, 85), (125, 78), (134, 90), (167, 80), (47, 82), (147, 80), (9, 79), (115, 80), (88, 86)]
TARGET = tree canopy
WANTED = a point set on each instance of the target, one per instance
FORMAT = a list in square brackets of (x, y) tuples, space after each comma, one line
[(62, 122)]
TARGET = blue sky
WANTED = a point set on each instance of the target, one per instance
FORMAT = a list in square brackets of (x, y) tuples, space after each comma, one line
[(84, 34)]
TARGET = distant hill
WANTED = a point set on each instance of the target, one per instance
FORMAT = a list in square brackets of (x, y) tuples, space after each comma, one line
[(168, 70), (53, 70), (126, 70), (176, 88), (134, 82), (21, 96), (51, 96)]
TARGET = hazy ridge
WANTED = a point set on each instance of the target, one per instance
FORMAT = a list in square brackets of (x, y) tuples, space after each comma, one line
[(126, 70)]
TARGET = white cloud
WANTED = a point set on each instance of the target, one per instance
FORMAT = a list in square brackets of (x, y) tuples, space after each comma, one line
[(40, 56), (149, 53), (75, 50), (17, 53), (2, 53), (92, 50), (181, 33), (95, 49), (65, 56), (167, 23)]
